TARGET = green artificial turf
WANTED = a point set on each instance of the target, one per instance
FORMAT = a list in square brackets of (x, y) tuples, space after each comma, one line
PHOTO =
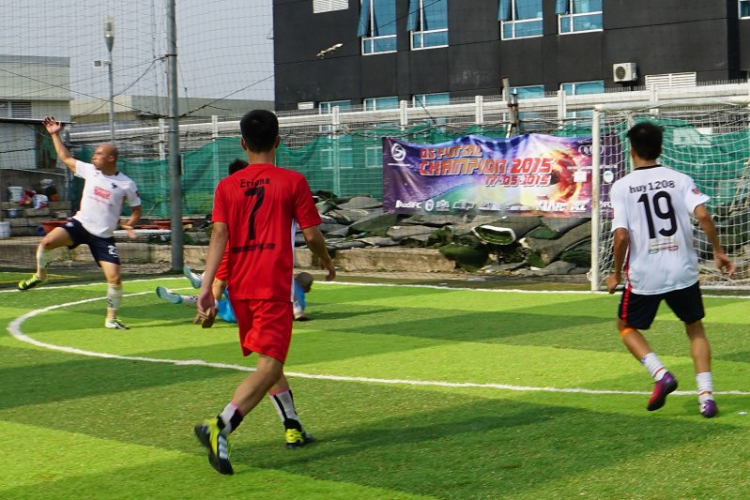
[(375, 376)]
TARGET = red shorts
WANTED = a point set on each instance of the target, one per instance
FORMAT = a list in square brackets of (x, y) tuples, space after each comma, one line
[(265, 326), (222, 273)]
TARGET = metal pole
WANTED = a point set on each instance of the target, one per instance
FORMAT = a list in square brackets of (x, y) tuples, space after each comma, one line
[(109, 38), (111, 101), (175, 169), (336, 119), (215, 167), (479, 110), (595, 201)]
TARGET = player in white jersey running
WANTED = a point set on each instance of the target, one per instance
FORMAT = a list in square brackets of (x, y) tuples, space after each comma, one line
[(104, 194), (654, 240)]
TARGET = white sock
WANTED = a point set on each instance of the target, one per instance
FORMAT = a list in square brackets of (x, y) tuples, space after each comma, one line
[(705, 384), (43, 258), (190, 300), (114, 297), (284, 403), (655, 367), (231, 418)]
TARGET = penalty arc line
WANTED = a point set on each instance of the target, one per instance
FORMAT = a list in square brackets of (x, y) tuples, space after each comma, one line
[(14, 328)]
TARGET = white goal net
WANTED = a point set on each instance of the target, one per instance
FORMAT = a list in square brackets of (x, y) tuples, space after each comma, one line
[(706, 139)]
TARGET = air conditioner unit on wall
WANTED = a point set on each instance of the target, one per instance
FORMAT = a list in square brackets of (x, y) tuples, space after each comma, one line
[(624, 72)]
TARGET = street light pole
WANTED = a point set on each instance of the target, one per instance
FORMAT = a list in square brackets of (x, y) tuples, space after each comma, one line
[(109, 37)]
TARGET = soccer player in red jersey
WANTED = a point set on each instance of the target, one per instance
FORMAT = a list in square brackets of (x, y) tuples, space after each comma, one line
[(255, 211)]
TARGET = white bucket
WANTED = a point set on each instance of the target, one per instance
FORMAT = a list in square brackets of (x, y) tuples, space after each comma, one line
[(16, 193), (39, 201), (4, 230)]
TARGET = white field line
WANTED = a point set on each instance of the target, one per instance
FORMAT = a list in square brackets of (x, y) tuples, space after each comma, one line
[(503, 290), (79, 285), (431, 287), (14, 328)]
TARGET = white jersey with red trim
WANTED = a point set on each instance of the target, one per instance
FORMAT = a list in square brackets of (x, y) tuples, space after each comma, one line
[(655, 204), (103, 198)]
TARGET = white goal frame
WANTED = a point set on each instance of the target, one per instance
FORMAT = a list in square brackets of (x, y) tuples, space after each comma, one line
[(633, 109)]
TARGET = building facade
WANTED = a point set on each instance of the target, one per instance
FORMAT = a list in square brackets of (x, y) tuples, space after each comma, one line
[(375, 53), (31, 87)]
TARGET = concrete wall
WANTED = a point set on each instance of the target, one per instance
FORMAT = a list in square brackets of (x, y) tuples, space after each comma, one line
[(358, 259)]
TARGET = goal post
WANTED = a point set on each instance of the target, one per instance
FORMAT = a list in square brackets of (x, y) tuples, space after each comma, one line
[(708, 139)]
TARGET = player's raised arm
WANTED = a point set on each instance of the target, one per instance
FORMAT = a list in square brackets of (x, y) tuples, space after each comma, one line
[(53, 128)]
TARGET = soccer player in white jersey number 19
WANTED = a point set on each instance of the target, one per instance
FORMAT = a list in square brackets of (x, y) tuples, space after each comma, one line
[(653, 245)]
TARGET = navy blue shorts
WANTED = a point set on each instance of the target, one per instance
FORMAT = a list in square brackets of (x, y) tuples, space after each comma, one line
[(102, 249), (639, 311)]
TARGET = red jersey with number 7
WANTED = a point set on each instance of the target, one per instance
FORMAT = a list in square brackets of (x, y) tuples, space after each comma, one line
[(260, 204)]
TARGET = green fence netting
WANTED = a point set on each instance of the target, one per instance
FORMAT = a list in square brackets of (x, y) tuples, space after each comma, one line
[(350, 165)]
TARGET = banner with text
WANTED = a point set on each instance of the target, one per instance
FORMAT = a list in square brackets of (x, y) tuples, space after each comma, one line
[(532, 174)]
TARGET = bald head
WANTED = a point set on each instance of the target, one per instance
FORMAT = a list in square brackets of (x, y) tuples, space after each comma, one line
[(105, 158), (110, 150)]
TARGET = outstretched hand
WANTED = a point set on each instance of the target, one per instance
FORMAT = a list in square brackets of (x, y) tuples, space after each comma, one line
[(52, 125), (129, 230), (612, 281), (206, 306), (328, 265), (724, 264)]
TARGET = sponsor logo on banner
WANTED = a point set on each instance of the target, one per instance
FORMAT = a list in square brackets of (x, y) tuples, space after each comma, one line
[(533, 174), (398, 152), (442, 206)]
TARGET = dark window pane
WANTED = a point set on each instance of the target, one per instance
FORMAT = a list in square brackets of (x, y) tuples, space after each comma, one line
[(384, 17)]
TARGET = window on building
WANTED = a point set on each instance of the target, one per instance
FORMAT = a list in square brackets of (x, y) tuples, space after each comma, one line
[(15, 109), (377, 26), (326, 107), (424, 100), (329, 159), (428, 24), (520, 18), (581, 88), (380, 103), (373, 156), (529, 91), (320, 6), (576, 16), (745, 9), (20, 109)]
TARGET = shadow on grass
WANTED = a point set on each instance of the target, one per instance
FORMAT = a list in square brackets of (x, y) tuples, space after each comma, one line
[(484, 449), (454, 325), (62, 377), (412, 442)]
